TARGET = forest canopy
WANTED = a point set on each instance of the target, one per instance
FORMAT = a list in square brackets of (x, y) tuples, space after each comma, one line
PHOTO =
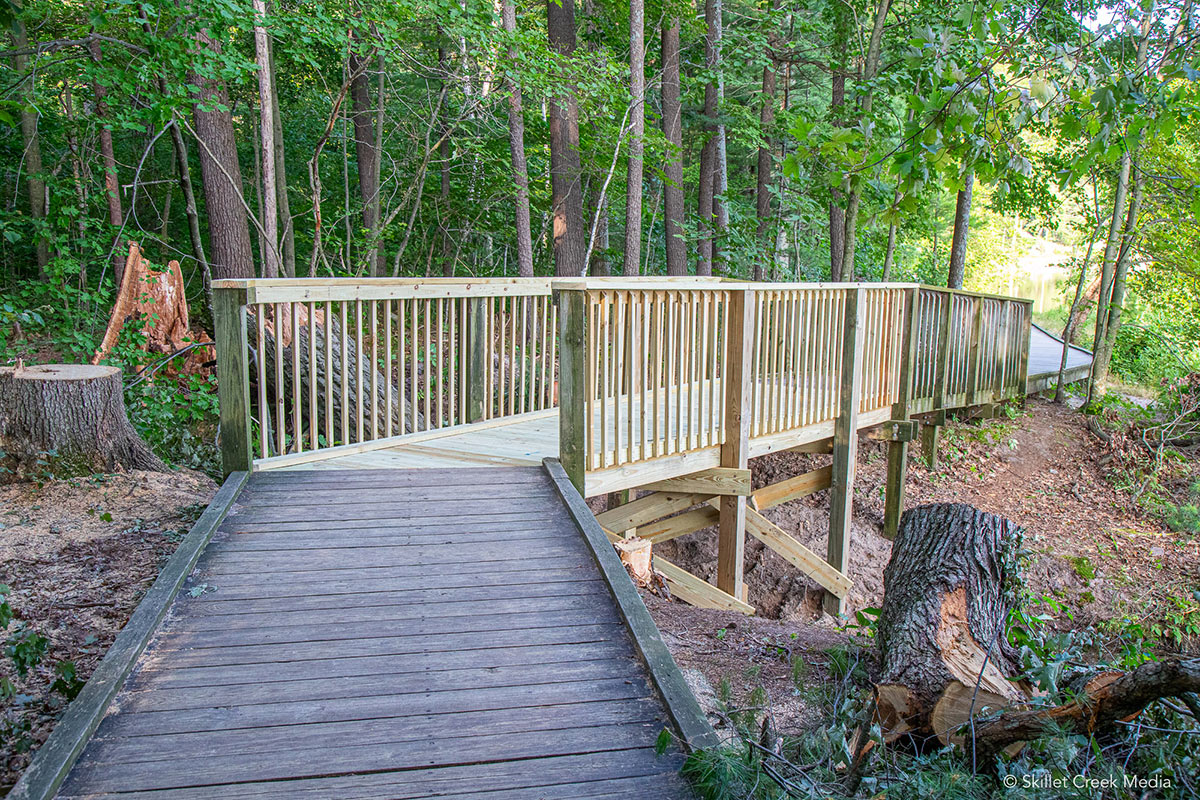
[(774, 139)]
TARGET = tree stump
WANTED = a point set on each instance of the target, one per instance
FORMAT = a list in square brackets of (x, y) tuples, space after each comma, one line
[(72, 416), (948, 590)]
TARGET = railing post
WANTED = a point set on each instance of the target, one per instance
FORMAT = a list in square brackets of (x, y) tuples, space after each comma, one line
[(932, 430), (735, 447), (233, 378), (477, 367), (974, 353), (1022, 387), (897, 471), (572, 383), (845, 441)]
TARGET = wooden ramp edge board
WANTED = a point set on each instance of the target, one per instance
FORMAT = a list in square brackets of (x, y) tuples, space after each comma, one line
[(54, 759), (693, 726)]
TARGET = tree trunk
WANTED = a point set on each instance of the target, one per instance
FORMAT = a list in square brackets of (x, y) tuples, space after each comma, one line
[(74, 412), (271, 262), (366, 151), (516, 146), (112, 185), (673, 209), (637, 131), (958, 245), (947, 596), (566, 173), (1073, 318), (708, 153), (1102, 349), (228, 231), (720, 155), (598, 210), (285, 207), (35, 186), (762, 192), (870, 69), (837, 214)]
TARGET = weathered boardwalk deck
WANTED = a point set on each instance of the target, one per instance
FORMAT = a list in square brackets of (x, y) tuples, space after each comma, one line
[(394, 634)]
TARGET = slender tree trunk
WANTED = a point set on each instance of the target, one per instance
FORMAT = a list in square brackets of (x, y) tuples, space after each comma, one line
[(766, 121), (112, 184), (1118, 247), (271, 264), (637, 131), (281, 183), (366, 152), (870, 69), (1073, 320), (599, 259), (962, 223), (721, 163), (444, 155), (566, 173), (1103, 348), (673, 210), (708, 154), (228, 230), (837, 214), (34, 185), (516, 146)]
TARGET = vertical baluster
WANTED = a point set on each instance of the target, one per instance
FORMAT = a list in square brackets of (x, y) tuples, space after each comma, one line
[(715, 340), (343, 314), (359, 369), (402, 363), (329, 373), (440, 354), (278, 327), (387, 368), (703, 434), (452, 360), (260, 367), (427, 349), (310, 352), (414, 366), (644, 300), (593, 340), (297, 408), (374, 329)]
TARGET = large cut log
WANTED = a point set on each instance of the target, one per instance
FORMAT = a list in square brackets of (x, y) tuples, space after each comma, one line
[(948, 590), (70, 417)]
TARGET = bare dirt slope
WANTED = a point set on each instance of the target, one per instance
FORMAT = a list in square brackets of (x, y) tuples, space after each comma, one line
[(78, 555)]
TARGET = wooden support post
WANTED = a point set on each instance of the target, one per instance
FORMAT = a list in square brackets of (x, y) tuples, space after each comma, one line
[(572, 386), (897, 471), (845, 441), (1026, 331), (476, 355), (233, 379), (735, 450)]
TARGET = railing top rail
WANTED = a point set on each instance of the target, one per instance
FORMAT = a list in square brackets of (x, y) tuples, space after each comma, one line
[(284, 290)]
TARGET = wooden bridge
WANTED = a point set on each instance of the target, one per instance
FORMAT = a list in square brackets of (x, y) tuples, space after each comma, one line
[(399, 590)]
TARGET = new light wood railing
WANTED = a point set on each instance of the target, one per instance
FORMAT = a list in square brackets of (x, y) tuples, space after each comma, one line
[(327, 367), (650, 389)]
